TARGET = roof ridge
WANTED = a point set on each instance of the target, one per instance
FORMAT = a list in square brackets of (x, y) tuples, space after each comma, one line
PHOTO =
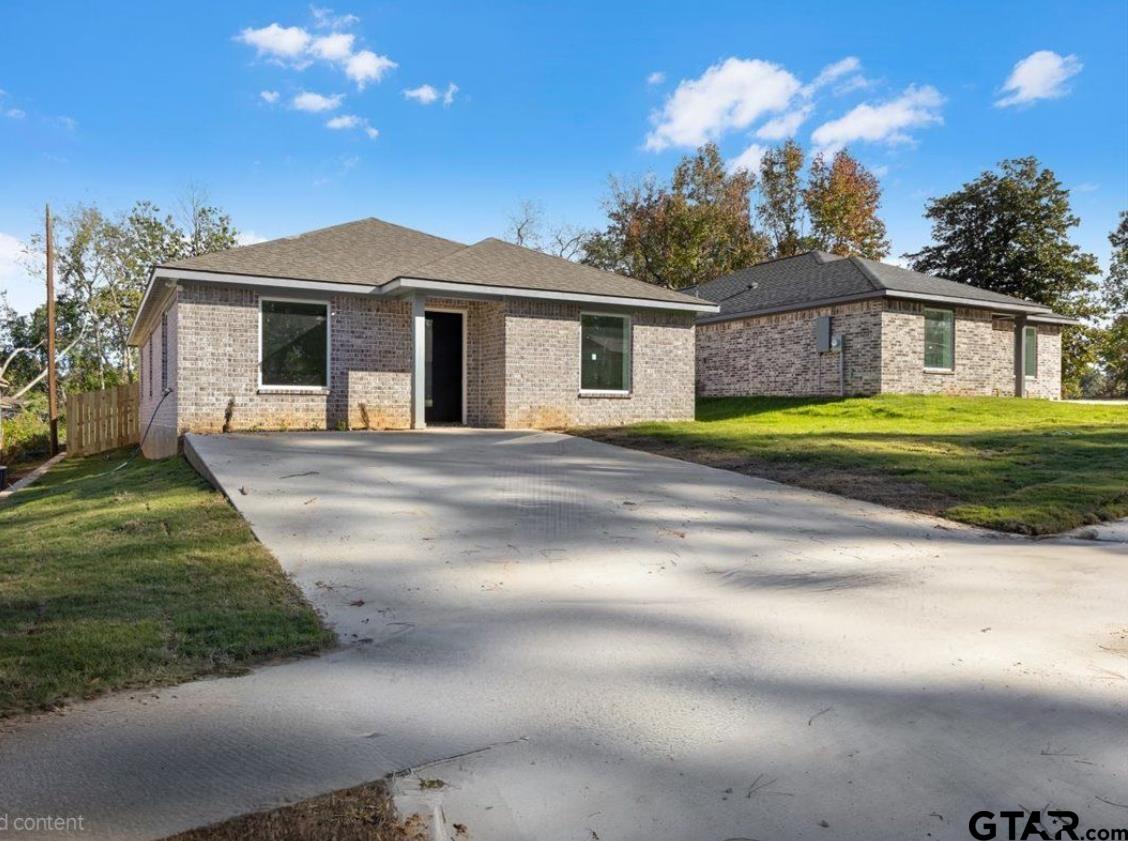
[(424, 265), (867, 273)]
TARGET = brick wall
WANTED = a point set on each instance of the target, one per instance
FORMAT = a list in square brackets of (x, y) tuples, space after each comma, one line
[(777, 355), (1048, 382), (161, 435), (984, 355), (884, 340), (370, 363), (542, 368), (522, 366)]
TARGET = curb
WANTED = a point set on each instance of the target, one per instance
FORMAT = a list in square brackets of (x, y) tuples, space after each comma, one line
[(31, 477)]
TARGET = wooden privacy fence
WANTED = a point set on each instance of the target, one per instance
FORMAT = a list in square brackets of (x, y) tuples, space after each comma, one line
[(103, 420)]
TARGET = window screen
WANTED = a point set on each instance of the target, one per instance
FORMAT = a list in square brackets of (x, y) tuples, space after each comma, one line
[(605, 352), (939, 339), (294, 348), (1030, 351)]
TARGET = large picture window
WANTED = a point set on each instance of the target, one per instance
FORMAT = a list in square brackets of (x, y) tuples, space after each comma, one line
[(295, 344), (1030, 351), (939, 339), (605, 352)]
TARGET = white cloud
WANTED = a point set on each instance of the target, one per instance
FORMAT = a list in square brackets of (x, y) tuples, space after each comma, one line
[(749, 159), (344, 121), (278, 42), (335, 47), (429, 94), (831, 72), (366, 66), (248, 238), (1041, 75), (728, 96), (296, 47), (69, 123), (656, 78), (1086, 187), (350, 121), (325, 19), (269, 96), (15, 113), (424, 94), (884, 123), (315, 102), (881, 170), (779, 128)]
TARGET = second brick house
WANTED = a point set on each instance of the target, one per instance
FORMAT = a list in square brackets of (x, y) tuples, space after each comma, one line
[(820, 324)]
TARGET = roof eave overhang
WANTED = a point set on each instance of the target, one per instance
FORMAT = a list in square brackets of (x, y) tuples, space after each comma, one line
[(408, 285), (1033, 310), (162, 277)]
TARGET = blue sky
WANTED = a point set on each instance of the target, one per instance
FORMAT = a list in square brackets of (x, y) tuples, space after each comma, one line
[(110, 103)]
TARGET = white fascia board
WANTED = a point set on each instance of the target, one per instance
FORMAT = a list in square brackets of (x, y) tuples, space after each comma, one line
[(264, 280), (971, 303), (161, 273), (454, 289)]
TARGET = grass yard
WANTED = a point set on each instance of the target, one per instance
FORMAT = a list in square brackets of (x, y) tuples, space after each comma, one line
[(139, 577), (1029, 466)]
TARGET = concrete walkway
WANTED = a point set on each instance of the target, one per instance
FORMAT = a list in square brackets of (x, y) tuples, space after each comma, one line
[(585, 642)]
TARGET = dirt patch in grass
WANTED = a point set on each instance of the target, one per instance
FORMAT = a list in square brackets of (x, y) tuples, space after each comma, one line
[(361, 813), (857, 483)]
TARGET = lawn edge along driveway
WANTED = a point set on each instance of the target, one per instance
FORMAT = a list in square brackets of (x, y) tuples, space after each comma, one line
[(1033, 467), (139, 576)]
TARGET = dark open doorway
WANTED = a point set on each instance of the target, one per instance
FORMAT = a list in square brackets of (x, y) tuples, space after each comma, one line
[(444, 367)]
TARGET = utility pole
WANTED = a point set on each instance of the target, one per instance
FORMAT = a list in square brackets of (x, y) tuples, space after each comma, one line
[(52, 374)]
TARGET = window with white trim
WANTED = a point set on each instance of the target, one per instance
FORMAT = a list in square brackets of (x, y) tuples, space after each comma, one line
[(1030, 352), (294, 345), (939, 339), (605, 352), (164, 353)]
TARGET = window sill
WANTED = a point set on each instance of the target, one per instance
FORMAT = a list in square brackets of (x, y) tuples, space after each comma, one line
[(948, 371), (607, 395), (292, 389)]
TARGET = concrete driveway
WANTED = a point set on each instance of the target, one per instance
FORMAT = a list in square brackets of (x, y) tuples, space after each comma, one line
[(585, 642)]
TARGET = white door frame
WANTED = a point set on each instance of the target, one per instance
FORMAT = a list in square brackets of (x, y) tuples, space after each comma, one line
[(462, 311)]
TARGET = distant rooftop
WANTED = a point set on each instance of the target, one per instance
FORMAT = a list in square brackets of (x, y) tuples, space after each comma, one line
[(817, 278)]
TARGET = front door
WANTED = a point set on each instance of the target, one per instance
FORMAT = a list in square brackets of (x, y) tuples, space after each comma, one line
[(444, 368)]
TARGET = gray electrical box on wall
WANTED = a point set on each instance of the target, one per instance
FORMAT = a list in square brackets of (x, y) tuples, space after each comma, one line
[(822, 333)]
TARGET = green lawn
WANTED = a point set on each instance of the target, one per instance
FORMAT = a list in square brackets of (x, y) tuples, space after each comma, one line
[(1029, 466), (139, 577)]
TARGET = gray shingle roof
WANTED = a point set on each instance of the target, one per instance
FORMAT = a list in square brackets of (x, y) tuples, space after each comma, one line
[(815, 277), (374, 252), (368, 251), (493, 262)]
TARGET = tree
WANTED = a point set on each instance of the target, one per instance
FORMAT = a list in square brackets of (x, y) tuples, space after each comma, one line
[(1008, 231), (104, 267), (842, 201), (1114, 339), (693, 229), (526, 228), (781, 204)]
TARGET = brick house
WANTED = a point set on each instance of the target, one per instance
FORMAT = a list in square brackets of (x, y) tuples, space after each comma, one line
[(372, 325), (819, 324)]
